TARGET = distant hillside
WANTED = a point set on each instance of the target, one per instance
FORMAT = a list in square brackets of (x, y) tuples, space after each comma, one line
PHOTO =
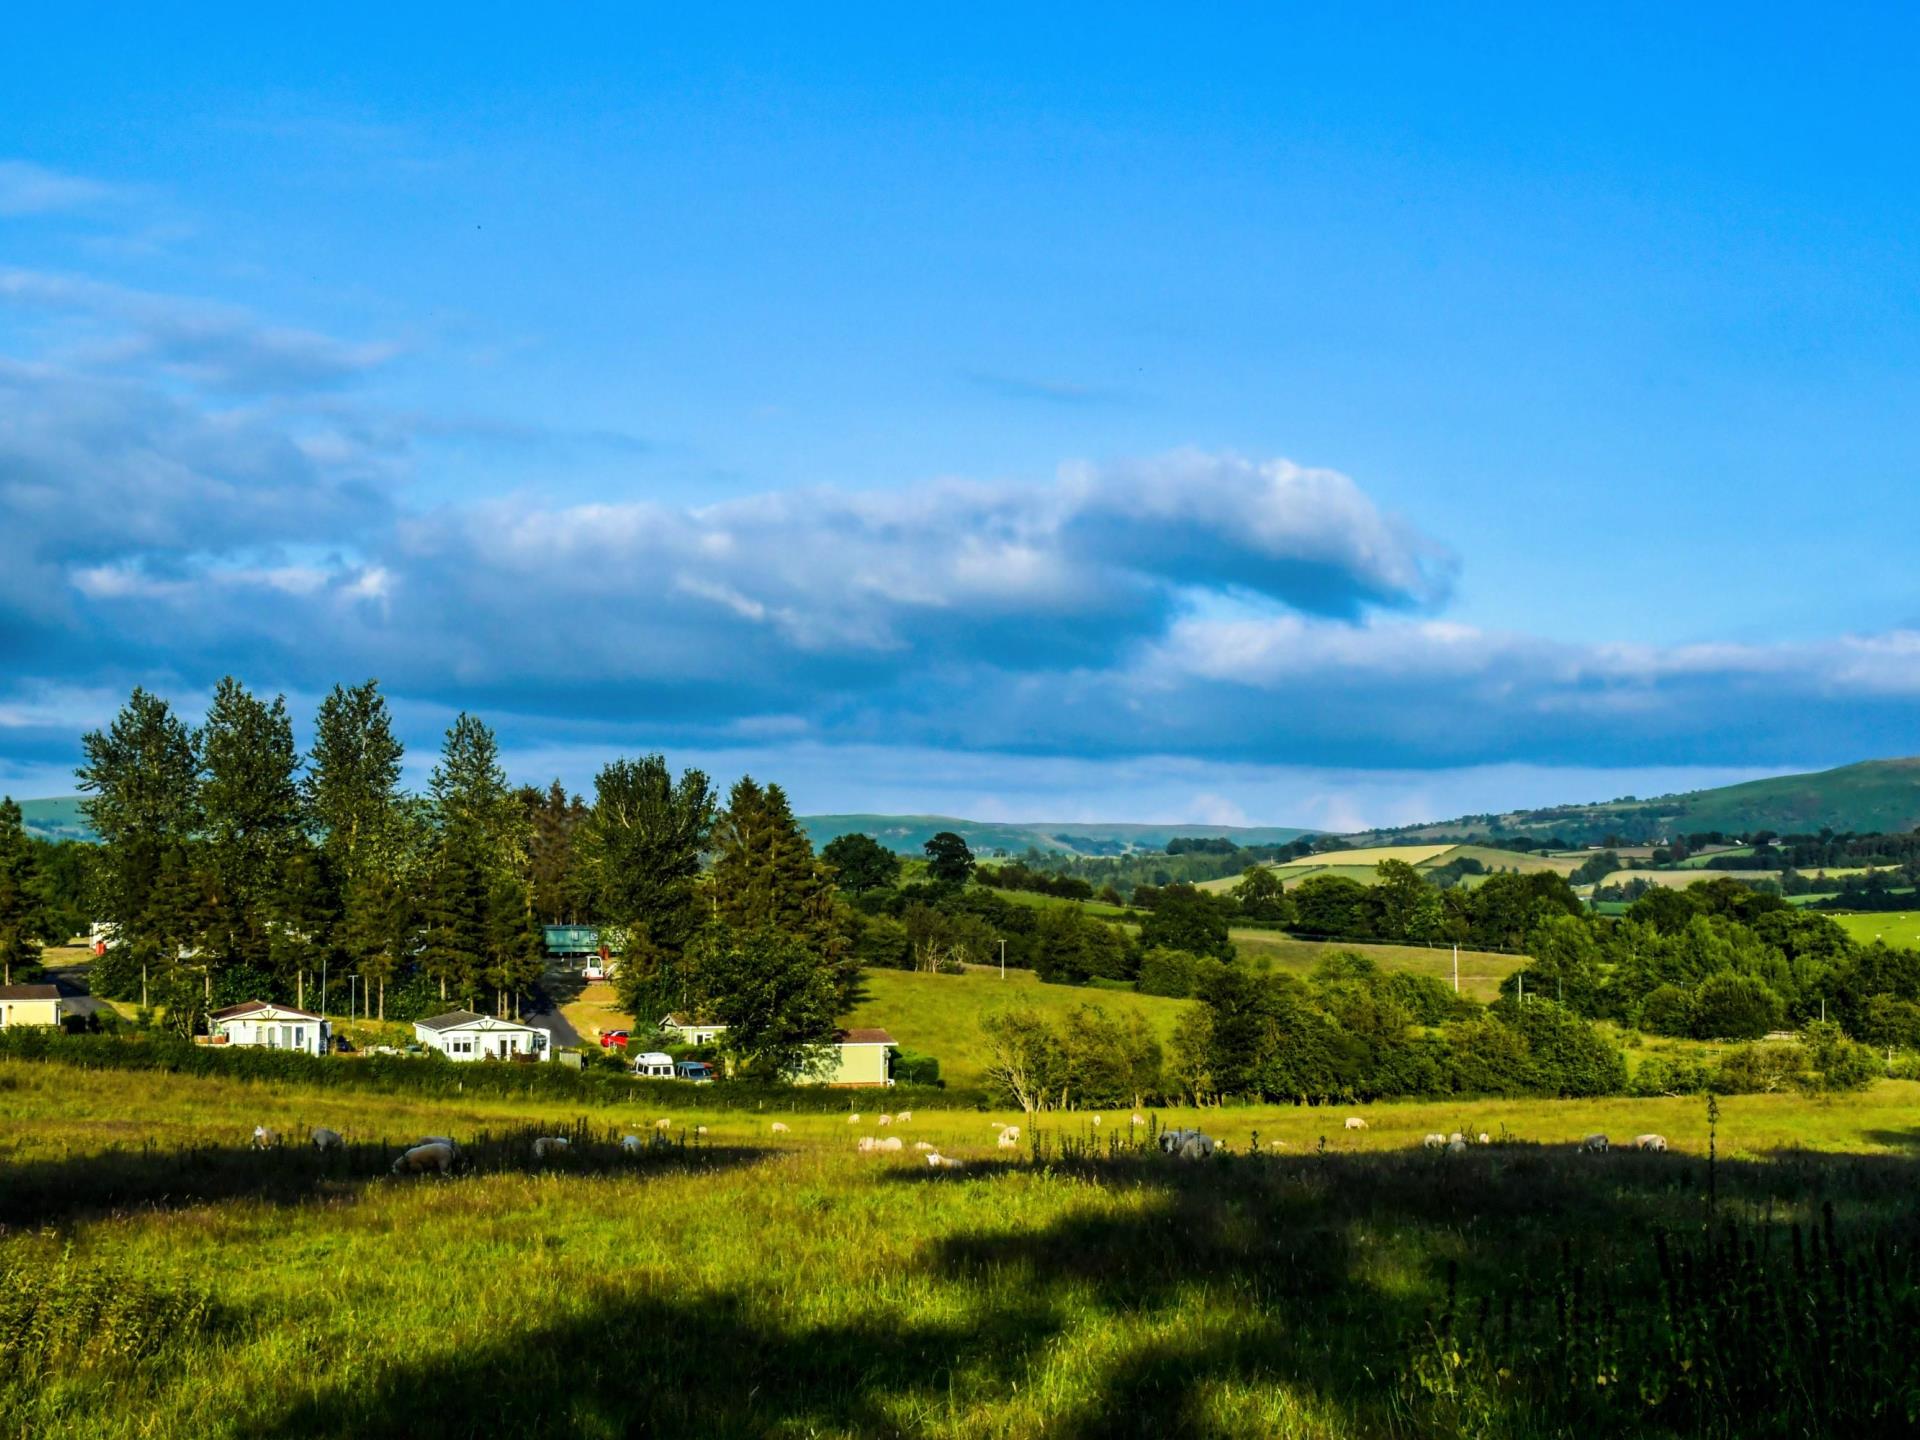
[(906, 834), (1873, 796), (58, 819)]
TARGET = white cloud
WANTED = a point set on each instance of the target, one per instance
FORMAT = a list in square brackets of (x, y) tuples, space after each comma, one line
[(30, 189)]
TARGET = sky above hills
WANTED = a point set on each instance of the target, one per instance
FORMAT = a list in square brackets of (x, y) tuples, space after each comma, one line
[(1317, 419)]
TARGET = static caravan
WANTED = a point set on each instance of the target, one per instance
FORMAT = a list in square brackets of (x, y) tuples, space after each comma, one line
[(264, 1025), (29, 1005), (464, 1035), (853, 1059)]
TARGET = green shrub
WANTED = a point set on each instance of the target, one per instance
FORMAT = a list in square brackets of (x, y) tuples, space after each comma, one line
[(1735, 1007), (1166, 972), (1665, 1010)]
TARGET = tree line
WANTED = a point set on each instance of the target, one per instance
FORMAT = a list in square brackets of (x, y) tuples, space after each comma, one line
[(231, 865)]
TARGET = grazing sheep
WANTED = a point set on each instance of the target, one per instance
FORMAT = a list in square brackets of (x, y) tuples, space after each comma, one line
[(867, 1144), (1457, 1145), (421, 1159), (663, 1125), (937, 1161), (1276, 1144), (1196, 1147), (1354, 1122), (1010, 1132), (548, 1146), (438, 1140), (1649, 1142), (1172, 1140), (1096, 1120), (779, 1127), (1594, 1144), (700, 1130), (1456, 1138), (854, 1118), (1137, 1121), (922, 1146), (1435, 1142), (902, 1117), (265, 1139), (632, 1144), (1008, 1141), (883, 1119), (1485, 1139), (325, 1139), (893, 1145)]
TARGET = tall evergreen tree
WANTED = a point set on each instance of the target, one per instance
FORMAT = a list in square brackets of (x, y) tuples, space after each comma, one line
[(353, 779), (22, 898), (453, 918), (250, 801), (478, 845), (560, 895), (514, 957), (141, 777), (378, 930), (641, 847), (765, 876)]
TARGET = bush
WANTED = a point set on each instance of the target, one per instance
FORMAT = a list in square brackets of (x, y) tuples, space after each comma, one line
[(1665, 1010), (912, 1067), (1166, 972), (1735, 1007), (1660, 1076)]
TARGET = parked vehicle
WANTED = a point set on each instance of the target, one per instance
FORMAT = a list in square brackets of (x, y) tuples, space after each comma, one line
[(697, 1072), (609, 1038)]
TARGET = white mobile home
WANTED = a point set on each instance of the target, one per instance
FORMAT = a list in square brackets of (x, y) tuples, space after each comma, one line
[(29, 1005), (463, 1035), (263, 1024)]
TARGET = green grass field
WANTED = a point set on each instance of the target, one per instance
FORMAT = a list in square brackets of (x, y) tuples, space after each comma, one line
[(1898, 928), (940, 1014), (162, 1280), (1480, 971), (1360, 864)]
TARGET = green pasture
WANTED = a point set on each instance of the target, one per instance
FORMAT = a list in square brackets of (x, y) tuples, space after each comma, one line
[(1481, 971), (743, 1283), (1897, 928)]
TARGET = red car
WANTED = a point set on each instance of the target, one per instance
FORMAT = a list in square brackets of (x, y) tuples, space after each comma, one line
[(613, 1037)]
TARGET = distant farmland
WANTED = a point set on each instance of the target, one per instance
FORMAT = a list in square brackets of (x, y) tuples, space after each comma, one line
[(1359, 864)]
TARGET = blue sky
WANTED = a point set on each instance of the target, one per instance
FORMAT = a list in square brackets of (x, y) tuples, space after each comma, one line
[(1298, 417)]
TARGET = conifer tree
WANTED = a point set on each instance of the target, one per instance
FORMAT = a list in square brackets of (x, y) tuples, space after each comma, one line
[(250, 801), (141, 777), (352, 783), (765, 876), (22, 900)]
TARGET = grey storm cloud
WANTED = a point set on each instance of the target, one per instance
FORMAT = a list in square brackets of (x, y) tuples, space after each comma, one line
[(185, 491)]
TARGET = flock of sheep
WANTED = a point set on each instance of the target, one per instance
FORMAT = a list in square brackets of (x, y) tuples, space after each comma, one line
[(438, 1154)]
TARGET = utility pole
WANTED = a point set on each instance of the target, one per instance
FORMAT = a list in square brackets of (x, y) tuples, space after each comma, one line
[(353, 996), (1456, 967), (1003, 957)]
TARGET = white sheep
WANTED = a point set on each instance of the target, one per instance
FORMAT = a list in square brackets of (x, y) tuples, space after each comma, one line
[(1010, 1132), (854, 1118), (265, 1139), (1137, 1121), (700, 1130), (548, 1146), (663, 1125), (1649, 1142), (922, 1146), (1172, 1140), (1594, 1144), (779, 1127), (1196, 1147), (1354, 1122), (867, 1144), (1456, 1138), (1096, 1120), (420, 1159), (1485, 1139), (893, 1144), (1435, 1142), (1457, 1146), (324, 1139), (902, 1117), (632, 1144), (438, 1140), (1276, 1144), (937, 1161), (1008, 1141)]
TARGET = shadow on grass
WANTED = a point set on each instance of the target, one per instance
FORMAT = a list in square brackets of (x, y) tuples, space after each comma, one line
[(52, 1192), (1235, 1295)]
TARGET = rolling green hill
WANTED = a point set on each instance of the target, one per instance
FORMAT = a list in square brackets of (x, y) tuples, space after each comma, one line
[(1874, 795), (907, 834), (56, 819)]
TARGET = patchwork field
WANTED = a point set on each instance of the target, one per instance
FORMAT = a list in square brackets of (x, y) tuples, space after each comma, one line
[(748, 1284), (1481, 971), (1360, 864)]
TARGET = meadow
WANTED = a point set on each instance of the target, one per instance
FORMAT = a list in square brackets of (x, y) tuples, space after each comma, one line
[(746, 1284)]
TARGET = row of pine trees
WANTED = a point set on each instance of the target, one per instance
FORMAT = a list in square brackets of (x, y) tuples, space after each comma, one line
[(233, 865)]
